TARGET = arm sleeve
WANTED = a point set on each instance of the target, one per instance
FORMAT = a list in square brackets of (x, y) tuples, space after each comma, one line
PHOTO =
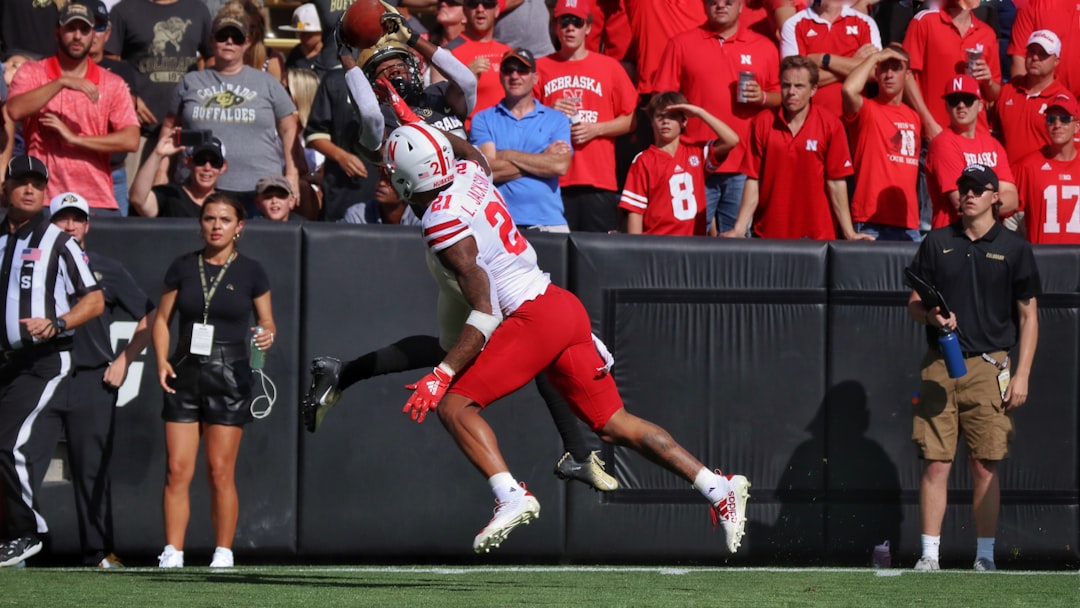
[(371, 119), (457, 73)]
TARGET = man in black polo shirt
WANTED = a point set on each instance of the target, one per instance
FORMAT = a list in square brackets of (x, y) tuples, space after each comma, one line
[(44, 273), (988, 277)]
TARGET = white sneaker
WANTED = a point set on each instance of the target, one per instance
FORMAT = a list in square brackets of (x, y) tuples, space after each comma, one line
[(522, 509), (223, 558), (171, 558), (984, 565), (927, 564), (730, 511)]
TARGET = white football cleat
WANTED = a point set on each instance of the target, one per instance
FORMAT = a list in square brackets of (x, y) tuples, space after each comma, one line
[(522, 509), (730, 511)]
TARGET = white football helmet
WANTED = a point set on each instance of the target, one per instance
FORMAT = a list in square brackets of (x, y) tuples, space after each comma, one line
[(419, 159)]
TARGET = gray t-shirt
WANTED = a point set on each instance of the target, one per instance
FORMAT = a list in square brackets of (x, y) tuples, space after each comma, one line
[(526, 26), (242, 110)]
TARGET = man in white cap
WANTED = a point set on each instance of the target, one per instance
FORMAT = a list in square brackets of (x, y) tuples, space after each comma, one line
[(1048, 180), (305, 22), (1019, 112)]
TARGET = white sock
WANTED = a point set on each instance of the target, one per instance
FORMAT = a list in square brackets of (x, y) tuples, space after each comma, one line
[(931, 546), (711, 485), (225, 550), (984, 548), (167, 547), (505, 486)]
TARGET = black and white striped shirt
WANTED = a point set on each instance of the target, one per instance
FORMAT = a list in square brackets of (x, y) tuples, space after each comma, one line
[(44, 273)]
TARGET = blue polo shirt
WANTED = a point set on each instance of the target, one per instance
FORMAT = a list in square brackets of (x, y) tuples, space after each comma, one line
[(533, 201)]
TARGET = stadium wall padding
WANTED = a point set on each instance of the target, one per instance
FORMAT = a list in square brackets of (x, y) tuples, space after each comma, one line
[(792, 362)]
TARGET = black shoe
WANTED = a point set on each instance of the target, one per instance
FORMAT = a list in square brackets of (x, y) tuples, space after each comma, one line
[(15, 551), (323, 393)]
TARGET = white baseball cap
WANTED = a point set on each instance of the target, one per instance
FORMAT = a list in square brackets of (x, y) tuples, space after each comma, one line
[(304, 19), (68, 200), (1048, 40)]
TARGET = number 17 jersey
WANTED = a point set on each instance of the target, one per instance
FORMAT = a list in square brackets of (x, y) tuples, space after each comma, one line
[(471, 206), (1049, 192)]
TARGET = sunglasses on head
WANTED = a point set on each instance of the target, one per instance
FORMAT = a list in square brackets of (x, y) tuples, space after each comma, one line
[(236, 36), (972, 188), (488, 4), (566, 21), (1056, 118), (954, 100), (202, 159)]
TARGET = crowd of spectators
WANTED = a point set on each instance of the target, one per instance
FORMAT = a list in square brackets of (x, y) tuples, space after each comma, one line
[(860, 136)]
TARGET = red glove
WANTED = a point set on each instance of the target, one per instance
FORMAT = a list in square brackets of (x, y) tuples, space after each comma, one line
[(427, 392), (389, 95)]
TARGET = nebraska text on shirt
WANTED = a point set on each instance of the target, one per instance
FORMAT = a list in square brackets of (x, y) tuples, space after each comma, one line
[(573, 82)]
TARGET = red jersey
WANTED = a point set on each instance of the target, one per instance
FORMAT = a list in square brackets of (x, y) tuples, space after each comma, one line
[(1020, 117), (757, 16), (610, 33), (652, 24), (792, 171), (948, 155), (807, 32), (489, 89), (669, 191), (886, 141), (938, 52), (603, 92), (1050, 198), (706, 69), (1061, 17)]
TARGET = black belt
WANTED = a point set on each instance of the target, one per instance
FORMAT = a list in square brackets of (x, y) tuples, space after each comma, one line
[(35, 350)]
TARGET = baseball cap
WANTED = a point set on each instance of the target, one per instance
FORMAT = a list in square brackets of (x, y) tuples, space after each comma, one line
[(1048, 40), (1065, 102), (214, 146), (20, 166), (101, 15), (980, 175), (224, 20), (68, 200), (304, 19), (962, 84), (272, 181), (523, 55), (76, 10), (577, 8)]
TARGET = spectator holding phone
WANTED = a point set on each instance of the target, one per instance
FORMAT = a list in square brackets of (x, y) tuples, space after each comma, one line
[(153, 195)]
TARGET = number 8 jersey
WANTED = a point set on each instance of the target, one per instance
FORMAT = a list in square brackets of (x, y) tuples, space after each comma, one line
[(668, 191), (471, 206)]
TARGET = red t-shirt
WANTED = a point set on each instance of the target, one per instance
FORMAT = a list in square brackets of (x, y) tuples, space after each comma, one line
[(669, 191), (489, 89), (938, 52), (72, 168), (792, 170), (886, 151), (652, 24), (757, 16), (706, 70), (807, 32), (948, 155), (1061, 17), (1020, 117), (610, 29), (605, 93), (1050, 198)]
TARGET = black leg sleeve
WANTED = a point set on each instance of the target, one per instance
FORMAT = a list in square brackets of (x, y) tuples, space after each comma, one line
[(414, 352), (565, 420)]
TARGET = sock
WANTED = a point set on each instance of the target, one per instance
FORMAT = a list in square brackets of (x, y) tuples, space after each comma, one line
[(504, 485), (931, 546), (711, 485), (984, 548), (223, 550)]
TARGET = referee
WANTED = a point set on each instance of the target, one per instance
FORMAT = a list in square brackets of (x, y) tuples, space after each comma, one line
[(49, 292)]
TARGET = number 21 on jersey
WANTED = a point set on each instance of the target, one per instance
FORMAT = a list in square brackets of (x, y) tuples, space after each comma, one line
[(499, 218)]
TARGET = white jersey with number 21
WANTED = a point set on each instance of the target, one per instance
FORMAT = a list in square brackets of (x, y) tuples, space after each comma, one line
[(472, 206)]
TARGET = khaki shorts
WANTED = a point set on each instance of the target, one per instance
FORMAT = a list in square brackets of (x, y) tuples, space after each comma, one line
[(971, 404)]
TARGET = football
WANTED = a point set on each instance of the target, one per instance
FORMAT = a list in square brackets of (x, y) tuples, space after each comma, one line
[(360, 26)]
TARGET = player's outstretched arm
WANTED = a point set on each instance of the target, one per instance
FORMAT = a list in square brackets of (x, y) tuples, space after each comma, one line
[(466, 151)]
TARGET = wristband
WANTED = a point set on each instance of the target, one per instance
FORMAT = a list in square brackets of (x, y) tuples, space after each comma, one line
[(826, 59), (483, 322), (412, 39), (446, 369)]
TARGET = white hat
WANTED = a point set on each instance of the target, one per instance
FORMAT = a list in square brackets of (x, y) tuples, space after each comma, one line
[(304, 19), (1048, 40), (68, 200)]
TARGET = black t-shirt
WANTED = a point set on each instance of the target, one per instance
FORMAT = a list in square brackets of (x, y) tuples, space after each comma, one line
[(981, 282), (173, 201), (93, 344), (231, 306), (297, 59)]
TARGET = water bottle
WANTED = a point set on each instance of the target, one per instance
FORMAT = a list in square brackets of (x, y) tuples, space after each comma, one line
[(258, 355), (949, 343), (881, 557)]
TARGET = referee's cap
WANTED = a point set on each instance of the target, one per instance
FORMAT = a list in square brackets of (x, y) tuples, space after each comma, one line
[(20, 166), (68, 200)]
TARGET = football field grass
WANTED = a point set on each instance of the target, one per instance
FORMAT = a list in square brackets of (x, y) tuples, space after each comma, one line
[(591, 586)]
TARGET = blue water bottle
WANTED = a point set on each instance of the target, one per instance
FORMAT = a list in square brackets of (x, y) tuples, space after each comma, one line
[(949, 343)]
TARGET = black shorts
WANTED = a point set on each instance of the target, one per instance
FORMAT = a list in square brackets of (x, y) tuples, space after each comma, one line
[(214, 389)]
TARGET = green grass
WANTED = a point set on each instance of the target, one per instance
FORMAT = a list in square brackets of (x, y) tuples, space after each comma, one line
[(594, 587)]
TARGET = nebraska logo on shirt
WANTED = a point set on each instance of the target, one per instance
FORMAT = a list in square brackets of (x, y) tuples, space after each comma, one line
[(982, 158), (746, 60), (695, 161), (851, 30), (811, 145)]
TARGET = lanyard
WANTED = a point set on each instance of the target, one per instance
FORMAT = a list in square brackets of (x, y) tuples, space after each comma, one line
[(993, 361), (207, 295)]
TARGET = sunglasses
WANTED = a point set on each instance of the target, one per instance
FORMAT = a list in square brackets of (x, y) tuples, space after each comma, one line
[(488, 4), (954, 100), (516, 69), (237, 37), (202, 159), (567, 20), (976, 190), (1052, 119)]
